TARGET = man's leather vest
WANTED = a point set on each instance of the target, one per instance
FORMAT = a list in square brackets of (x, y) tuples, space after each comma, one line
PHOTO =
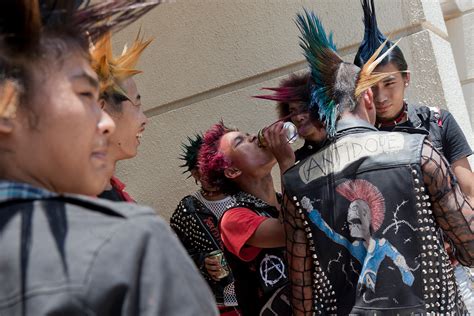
[(374, 242), (256, 281)]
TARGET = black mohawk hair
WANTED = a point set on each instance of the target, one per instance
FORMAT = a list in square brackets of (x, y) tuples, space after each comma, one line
[(190, 152), (373, 37)]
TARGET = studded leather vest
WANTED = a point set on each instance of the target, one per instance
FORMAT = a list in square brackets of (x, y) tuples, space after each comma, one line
[(374, 242), (256, 281), (197, 229)]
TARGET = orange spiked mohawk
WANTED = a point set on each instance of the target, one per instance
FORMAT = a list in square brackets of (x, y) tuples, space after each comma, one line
[(366, 76), (112, 71)]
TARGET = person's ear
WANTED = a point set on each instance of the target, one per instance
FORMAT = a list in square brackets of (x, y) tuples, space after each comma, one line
[(195, 174), (6, 125), (8, 106), (369, 99), (407, 79), (232, 172)]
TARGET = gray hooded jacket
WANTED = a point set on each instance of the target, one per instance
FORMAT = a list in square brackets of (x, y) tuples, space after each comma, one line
[(73, 255)]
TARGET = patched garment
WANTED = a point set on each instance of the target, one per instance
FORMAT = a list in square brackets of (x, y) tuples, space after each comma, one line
[(372, 237), (195, 222)]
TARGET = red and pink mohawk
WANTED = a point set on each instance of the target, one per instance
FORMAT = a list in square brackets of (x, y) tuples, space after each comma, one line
[(211, 161), (295, 88), (292, 89)]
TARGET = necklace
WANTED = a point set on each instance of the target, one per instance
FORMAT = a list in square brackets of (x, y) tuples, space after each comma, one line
[(395, 121)]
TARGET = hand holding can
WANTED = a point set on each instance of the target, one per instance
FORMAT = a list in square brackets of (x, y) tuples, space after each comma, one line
[(216, 265), (290, 130)]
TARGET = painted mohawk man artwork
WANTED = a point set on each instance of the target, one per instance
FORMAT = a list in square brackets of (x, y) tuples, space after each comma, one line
[(364, 217)]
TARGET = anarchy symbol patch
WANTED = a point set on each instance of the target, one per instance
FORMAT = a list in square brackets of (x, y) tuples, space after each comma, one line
[(272, 270)]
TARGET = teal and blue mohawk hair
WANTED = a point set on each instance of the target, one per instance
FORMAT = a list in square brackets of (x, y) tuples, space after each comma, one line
[(373, 37), (336, 84), (320, 52), (190, 152)]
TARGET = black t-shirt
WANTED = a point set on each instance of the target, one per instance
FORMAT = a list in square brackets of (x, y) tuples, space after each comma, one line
[(444, 131), (454, 142)]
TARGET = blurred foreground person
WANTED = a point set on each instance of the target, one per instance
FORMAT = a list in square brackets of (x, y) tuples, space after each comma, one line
[(63, 253)]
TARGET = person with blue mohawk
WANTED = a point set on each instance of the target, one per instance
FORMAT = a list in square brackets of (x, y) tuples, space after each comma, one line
[(362, 214), (394, 113)]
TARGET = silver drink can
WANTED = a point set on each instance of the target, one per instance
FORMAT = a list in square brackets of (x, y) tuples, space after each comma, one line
[(290, 130)]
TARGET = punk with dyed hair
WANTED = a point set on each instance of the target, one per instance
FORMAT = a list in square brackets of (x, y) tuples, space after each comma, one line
[(120, 98), (394, 113), (196, 223), (212, 162), (252, 235), (362, 214), (293, 96)]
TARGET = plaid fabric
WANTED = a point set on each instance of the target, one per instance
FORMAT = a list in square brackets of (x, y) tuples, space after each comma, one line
[(17, 191)]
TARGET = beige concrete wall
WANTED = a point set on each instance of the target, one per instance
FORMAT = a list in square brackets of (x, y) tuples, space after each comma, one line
[(459, 18), (460, 25), (211, 56)]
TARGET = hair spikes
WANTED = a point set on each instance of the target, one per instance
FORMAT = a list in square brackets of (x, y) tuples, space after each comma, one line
[(366, 77), (190, 152), (373, 37), (282, 94), (20, 24), (294, 88), (211, 161), (111, 15), (112, 71), (23, 22), (320, 52)]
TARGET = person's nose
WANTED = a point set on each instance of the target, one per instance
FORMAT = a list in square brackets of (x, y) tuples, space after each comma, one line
[(379, 94), (252, 138), (106, 124)]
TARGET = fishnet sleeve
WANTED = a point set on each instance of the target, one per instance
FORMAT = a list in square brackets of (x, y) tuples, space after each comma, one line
[(452, 209), (299, 259)]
